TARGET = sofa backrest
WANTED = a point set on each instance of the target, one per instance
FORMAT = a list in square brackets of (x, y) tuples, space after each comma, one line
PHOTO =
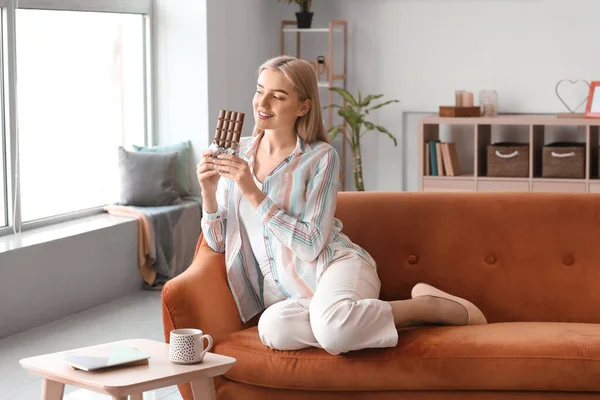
[(518, 256)]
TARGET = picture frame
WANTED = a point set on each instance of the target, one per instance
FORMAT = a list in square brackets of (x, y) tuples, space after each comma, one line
[(592, 109)]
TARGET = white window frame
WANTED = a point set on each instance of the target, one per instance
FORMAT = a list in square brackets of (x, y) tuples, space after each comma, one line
[(8, 92), (4, 142), (114, 6)]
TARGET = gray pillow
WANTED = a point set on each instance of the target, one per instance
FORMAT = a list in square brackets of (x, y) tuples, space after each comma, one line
[(147, 179), (183, 180)]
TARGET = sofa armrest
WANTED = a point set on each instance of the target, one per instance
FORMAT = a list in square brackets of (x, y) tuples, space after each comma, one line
[(200, 297)]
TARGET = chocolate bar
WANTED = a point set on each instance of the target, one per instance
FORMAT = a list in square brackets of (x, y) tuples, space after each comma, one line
[(228, 132)]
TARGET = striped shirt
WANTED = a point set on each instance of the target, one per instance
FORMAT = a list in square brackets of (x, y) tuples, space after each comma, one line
[(301, 235)]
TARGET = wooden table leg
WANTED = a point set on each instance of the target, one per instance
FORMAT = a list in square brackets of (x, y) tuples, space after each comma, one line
[(204, 389), (137, 396), (52, 390)]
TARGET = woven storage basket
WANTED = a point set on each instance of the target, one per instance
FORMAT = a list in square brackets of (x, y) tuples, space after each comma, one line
[(563, 160), (507, 159)]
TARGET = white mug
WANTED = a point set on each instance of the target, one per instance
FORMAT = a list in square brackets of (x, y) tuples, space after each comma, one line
[(187, 346)]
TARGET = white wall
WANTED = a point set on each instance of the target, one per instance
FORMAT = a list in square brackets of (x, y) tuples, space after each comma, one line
[(420, 51), (47, 281), (181, 72)]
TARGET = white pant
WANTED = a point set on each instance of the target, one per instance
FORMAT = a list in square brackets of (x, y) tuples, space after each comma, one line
[(343, 315)]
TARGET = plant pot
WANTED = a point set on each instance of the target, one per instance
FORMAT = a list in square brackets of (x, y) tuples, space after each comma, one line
[(304, 19)]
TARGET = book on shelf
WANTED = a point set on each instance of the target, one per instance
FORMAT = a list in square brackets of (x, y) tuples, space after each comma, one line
[(441, 158), (433, 158)]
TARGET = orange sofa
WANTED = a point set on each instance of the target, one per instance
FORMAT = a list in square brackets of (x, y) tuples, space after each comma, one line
[(530, 261)]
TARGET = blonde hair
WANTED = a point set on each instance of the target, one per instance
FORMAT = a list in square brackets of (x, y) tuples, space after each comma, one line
[(302, 75)]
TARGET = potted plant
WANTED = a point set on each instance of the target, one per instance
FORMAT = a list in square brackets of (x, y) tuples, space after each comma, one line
[(304, 17), (354, 114)]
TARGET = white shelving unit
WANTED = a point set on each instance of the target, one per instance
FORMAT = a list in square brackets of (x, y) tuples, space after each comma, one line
[(480, 133)]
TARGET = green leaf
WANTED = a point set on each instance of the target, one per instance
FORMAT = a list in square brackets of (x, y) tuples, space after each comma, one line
[(383, 130), (346, 95), (381, 105), (349, 114), (370, 126), (359, 99), (370, 98), (331, 106), (333, 132), (353, 118)]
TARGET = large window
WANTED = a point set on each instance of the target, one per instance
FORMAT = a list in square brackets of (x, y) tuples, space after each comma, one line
[(80, 86), (81, 90)]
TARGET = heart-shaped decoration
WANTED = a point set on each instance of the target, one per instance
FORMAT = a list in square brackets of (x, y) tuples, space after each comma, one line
[(571, 94)]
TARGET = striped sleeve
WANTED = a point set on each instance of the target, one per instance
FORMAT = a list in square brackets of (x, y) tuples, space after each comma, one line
[(213, 225), (307, 234)]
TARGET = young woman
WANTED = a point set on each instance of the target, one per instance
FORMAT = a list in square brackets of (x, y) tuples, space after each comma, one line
[(271, 211)]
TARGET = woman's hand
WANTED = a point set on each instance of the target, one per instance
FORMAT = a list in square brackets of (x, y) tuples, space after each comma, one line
[(208, 176), (238, 170)]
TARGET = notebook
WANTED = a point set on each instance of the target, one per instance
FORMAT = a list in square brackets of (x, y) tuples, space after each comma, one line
[(105, 356)]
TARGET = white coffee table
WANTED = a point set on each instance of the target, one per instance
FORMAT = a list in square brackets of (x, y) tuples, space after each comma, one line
[(129, 381)]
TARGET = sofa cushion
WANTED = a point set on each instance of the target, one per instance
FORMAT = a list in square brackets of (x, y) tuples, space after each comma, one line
[(502, 356)]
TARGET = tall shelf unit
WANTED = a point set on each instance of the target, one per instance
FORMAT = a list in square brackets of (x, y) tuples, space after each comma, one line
[(334, 77), (480, 128)]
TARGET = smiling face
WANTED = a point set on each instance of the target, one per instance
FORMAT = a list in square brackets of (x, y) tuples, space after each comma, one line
[(276, 103)]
